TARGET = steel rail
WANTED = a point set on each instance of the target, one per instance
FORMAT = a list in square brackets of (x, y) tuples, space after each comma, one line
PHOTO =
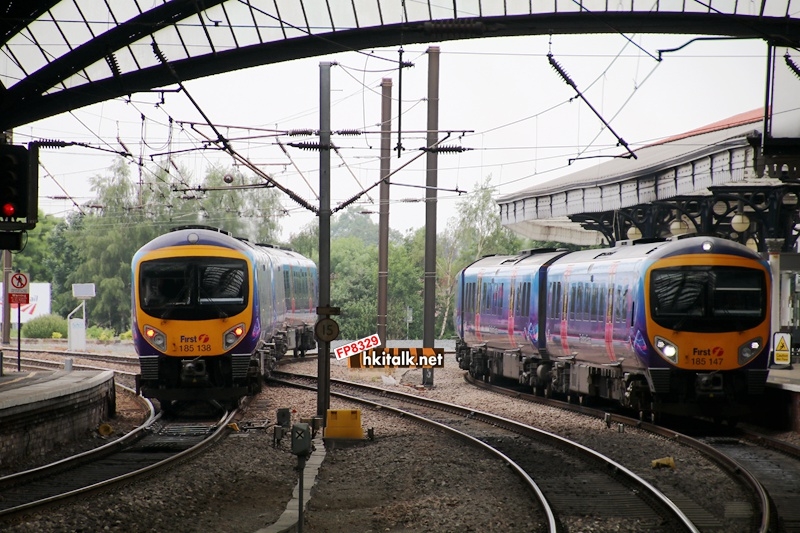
[(768, 520), (220, 431), (517, 427)]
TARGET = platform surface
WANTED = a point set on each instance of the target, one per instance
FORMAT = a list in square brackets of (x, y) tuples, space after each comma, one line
[(787, 378), (18, 388)]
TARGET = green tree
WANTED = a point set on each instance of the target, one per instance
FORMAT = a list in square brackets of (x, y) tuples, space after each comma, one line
[(108, 237), (306, 241), (354, 286), (62, 262), (478, 227), (350, 222), (245, 207), (405, 288), (34, 257)]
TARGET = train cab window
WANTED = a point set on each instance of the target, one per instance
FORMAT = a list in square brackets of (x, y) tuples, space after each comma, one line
[(707, 299), (193, 288)]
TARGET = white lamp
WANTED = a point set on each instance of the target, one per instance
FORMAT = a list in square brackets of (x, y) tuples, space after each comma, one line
[(740, 222)]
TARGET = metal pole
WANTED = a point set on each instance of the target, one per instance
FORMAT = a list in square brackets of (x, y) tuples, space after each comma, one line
[(323, 360), (429, 300), (383, 225), (19, 337), (6, 306), (301, 459)]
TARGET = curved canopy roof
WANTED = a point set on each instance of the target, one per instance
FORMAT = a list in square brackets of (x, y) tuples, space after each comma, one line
[(60, 55)]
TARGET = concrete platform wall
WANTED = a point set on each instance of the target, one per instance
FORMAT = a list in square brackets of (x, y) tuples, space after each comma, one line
[(36, 428)]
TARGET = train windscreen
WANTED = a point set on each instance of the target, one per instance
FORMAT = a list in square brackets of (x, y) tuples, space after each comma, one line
[(193, 288), (708, 299)]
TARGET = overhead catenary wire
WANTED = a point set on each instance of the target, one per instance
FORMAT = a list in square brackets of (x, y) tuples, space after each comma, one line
[(561, 72)]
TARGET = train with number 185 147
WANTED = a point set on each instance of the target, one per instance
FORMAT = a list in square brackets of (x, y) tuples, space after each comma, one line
[(669, 326), (212, 313)]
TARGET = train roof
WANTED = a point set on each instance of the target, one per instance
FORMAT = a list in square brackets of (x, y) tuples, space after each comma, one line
[(643, 249), (210, 236), (526, 258), (658, 249)]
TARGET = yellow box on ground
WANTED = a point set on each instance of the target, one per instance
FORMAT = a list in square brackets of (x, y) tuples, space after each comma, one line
[(344, 424)]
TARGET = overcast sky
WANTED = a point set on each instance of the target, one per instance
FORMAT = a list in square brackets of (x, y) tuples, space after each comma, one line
[(499, 97)]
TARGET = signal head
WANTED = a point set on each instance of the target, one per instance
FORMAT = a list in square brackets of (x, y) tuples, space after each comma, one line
[(15, 183)]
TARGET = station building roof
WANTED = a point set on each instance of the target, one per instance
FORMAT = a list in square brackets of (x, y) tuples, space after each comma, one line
[(685, 164)]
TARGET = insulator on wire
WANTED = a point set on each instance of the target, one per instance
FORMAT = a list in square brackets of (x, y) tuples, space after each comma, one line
[(113, 64), (348, 132), (561, 72), (300, 133), (309, 146), (446, 149), (158, 53), (52, 143), (791, 64)]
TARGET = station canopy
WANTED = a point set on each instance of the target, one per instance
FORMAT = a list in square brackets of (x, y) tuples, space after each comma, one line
[(59, 55), (719, 154)]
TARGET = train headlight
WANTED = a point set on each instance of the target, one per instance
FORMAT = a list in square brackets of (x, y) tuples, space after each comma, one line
[(155, 337), (749, 350), (666, 349), (232, 336)]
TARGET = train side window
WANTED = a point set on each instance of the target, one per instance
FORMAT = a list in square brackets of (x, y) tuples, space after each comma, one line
[(526, 302), (499, 299), (558, 310), (601, 303), (573, 296), (287, 288)]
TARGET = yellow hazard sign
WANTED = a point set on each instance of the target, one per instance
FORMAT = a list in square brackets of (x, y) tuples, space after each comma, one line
[(781, 347), (781, 354)]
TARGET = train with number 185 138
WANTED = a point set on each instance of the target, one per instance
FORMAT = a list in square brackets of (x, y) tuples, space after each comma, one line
[(669, 326), (212, 313)]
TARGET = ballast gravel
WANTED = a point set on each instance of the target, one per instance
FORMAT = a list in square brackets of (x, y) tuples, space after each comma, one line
[(409, 478)]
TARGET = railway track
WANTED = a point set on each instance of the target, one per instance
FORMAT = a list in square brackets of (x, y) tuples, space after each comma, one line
[(751, 459), (775, 465), (158, 444), (605, 490)]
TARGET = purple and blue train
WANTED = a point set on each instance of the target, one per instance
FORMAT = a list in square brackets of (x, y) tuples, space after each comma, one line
[(676, 326), (212, 313)]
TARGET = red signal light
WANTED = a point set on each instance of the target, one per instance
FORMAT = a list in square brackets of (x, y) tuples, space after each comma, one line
[(8, 209)]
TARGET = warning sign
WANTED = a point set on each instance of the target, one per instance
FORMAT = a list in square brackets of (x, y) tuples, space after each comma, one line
[(782, 352), (19, 289)]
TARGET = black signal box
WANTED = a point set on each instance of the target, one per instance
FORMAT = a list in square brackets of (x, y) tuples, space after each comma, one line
[(19, 187)]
